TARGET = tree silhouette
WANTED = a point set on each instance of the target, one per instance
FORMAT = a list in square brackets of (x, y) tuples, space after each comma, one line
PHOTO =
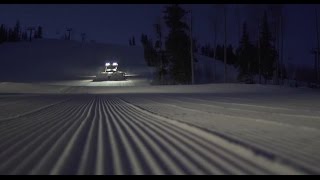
[(16, 36), (268, 52), (246, 56), (130, 42), (38, 33), (133, 41), (177, 44)]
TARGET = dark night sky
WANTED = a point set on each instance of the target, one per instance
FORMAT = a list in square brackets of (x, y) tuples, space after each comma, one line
[(116, 23)]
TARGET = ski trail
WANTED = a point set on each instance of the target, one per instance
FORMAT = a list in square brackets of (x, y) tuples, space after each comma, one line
[(112, 134)]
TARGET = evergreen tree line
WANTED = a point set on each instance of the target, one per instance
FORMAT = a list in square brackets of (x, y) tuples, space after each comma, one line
[(171, 55), (17, 34), (251, 58), (261, 58)]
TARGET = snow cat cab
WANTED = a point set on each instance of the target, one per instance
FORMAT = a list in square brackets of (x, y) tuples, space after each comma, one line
[(111, 73)]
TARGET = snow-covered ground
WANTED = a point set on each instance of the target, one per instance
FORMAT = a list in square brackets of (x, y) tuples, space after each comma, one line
[(200, 129)]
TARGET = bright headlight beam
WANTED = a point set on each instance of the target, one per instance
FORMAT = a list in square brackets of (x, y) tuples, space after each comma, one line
[(115, 64), (107, 64)]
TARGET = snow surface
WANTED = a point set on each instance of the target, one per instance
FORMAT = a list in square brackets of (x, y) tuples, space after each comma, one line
[(200, 129)]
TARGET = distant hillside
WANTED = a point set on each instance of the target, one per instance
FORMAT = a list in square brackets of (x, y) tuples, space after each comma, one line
[(51, 59), (55, 59)]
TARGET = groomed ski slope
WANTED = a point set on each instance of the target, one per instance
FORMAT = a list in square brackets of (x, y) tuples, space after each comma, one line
[(207, 129)]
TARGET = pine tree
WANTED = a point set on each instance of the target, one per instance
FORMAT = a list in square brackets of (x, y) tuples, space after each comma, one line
[(11, 36), (219, 52), (150, 54), (2, 33), (130, 42), (39, 32), (246, 56), (16, 36), (203, 51), (211, 52), (133, 41), (158, 48), (268, 52), (207, 49), (143, 39), (31, 31), (231, 56), (178, 44), (83, 37), (162, 62), (35, 35), (24, 36)]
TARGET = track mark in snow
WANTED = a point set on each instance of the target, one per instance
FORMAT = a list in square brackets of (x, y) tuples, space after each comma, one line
[(292, 148), (242, 152), (101, 134), (33, 111), (37, 142), (308, 122)]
